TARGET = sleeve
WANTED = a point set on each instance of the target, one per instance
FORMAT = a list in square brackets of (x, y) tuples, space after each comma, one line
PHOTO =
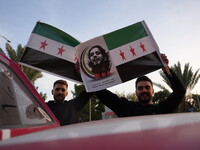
[(112, 101), (82, 99), (171, 103)]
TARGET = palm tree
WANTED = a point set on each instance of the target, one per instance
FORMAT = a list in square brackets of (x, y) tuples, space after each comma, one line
[(32, 74), (187, 76)]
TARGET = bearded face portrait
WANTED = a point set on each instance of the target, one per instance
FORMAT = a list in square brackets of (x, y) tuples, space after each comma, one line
[(144, 92), (96, 56), (99, 60)]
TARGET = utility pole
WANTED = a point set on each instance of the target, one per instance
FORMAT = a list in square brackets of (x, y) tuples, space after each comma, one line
[(198, 100), (90, 110)]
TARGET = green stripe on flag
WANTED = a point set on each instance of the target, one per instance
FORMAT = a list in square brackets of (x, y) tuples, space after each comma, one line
[(125, 35), (54, 34)]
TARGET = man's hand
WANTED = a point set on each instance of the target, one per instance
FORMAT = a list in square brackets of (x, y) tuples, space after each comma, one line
[(166, 61)]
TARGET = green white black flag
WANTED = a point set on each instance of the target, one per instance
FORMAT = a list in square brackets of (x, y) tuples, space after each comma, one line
[(51, 50), (104, 61), (128, 53)]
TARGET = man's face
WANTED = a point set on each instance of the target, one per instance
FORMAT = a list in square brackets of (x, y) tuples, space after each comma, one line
[(95, 56), (59, 92), (144, 92)]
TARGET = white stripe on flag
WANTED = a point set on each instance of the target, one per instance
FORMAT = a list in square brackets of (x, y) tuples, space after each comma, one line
[(52, 48), (6, 134), (132, 51)]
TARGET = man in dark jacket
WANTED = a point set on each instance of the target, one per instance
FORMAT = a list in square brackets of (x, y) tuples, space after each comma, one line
[(67, 112), (144, 91)]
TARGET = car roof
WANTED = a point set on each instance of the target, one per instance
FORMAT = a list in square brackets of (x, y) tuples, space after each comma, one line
[(180, 127)]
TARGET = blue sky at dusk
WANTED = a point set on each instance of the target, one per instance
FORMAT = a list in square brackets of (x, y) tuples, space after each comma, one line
[(175, 25)]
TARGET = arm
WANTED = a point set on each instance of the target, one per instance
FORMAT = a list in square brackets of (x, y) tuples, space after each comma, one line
[(170, 104), (174, 99), (112, 101), (82, 99)]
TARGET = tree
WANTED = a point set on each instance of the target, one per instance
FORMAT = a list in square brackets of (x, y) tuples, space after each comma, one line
[(96, 106), (196, 101), (15, 55), (160, 95), (188, 78), (129, 96), (43, 95)]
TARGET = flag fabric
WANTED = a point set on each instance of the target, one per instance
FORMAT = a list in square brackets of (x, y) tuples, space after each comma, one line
[(125, 54), (51, 50), (132, 52)]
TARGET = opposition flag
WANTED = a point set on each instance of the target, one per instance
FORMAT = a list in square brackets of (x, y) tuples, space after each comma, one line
[(104, 61), (134, 51), (51, 50), (125, 54)]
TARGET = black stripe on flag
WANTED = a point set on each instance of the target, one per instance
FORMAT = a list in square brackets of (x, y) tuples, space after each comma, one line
[(139, 67), (51, 64)]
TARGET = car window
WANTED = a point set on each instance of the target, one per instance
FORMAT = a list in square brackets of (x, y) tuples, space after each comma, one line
[(18, 106)]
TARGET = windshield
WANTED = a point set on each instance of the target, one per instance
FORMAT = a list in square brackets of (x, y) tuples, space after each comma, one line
[(18, 107)]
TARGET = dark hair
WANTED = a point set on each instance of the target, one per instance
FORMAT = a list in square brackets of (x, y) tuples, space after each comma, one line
[(104, 65), (143, 78), (60, 82), (103, 52)]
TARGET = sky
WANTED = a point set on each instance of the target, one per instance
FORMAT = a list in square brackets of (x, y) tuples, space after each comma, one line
[(175, 25)]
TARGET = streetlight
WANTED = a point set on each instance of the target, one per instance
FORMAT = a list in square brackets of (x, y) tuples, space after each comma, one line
[(5, 39)]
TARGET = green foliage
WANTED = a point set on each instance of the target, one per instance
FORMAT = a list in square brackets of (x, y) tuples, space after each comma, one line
[(43, 95), (160, 95), (1, 51), (196, 101), (129, 96), (94, 105), (188, 77), (32, 74)]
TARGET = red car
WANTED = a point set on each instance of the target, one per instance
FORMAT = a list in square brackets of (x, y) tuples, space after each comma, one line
[(22, 112)]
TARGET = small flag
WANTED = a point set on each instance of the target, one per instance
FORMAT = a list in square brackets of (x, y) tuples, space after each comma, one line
[(51, 50)]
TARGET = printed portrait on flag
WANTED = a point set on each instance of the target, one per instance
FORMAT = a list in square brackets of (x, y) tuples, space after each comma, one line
[(95, 62), (96, 66)]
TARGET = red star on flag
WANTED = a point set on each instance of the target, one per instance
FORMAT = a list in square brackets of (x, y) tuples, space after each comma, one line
[(60, 51), (122, 55), (43, 45), (97, 76), (108, 72), (76, 58), (142, 46), (132, 51), (103, 74)]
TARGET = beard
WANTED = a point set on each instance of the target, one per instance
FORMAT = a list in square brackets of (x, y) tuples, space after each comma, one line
[(144, 98), (59, 97), (97, 61)]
